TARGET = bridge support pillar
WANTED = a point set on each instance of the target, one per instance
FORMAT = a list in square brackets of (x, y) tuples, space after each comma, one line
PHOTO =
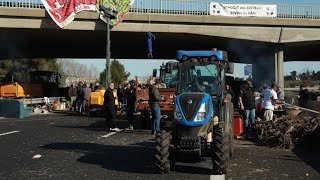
[(279, 59)]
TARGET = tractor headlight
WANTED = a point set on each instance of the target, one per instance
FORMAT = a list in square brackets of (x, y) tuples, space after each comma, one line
[(201, 116), (201, 113), (177, 113)]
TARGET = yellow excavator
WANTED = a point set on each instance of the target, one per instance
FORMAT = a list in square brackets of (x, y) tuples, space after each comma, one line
[(97, 100)]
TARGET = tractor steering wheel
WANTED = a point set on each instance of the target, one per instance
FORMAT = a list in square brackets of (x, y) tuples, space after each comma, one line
[(191, 88)]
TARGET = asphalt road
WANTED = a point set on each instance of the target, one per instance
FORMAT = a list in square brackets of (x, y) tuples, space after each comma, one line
[(73, 147)]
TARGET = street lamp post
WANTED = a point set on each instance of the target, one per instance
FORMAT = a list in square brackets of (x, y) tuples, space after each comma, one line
[(108, 14)]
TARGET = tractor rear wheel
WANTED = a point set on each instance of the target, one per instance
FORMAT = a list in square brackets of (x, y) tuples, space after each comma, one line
[(162, 154), (221, 152)]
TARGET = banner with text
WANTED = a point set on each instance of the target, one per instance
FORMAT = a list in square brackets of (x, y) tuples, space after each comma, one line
[(63, 11), (242, 10), (122, 6)]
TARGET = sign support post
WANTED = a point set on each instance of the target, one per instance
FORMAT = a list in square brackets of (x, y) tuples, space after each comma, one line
[(108, 14)]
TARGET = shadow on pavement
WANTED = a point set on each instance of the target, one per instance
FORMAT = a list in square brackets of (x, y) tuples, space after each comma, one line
[(137, 158), (100, 125), (191, 169), (96, 126), (131, 159), (310, 157)]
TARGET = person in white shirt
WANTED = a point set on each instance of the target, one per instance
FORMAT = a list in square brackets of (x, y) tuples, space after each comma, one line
[(269, 98)]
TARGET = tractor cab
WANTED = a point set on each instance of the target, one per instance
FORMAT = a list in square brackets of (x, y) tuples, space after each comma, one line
[(168, 73), (202, 71), (201, 81)]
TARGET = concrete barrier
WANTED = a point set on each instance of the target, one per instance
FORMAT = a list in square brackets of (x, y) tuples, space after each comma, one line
[(13, 108)]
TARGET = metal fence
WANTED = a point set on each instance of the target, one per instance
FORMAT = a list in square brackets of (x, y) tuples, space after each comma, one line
[(29, 4), (195, 7)]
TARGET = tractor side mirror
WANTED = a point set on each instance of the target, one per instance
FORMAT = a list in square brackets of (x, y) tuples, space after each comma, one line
[(169, 68), (230, 68), (154, 73)]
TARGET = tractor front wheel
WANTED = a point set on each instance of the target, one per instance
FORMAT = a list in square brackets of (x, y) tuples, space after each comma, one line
[(162, 154), (220, 152)]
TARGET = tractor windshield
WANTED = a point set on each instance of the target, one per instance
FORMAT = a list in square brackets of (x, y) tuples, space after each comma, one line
[(196, 77), (171, 78)]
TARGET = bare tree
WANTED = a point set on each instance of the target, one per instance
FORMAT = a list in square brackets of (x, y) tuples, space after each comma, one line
[(75, 71)]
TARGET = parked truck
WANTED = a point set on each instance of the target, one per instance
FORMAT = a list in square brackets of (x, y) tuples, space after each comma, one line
[(39, 84)]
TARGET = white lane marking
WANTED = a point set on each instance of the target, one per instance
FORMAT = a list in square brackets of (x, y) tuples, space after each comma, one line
[(218, 177), (11, 132), (109, 134)]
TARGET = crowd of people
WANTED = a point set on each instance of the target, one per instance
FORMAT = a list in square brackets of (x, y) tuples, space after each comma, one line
[(246, 99), (126, 95), (79, 95)]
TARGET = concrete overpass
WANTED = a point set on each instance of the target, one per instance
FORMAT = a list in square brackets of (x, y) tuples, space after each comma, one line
[(29, 33), (31, 29)]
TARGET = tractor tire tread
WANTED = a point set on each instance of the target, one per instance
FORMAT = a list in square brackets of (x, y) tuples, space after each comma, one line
[(162, 152), (221, 152)]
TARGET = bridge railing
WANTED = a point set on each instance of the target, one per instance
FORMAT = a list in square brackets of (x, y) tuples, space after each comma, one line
[(187, 7), (25, 4), (202, 8)]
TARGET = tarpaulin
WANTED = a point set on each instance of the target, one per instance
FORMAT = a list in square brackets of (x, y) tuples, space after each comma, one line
[(63, 11)]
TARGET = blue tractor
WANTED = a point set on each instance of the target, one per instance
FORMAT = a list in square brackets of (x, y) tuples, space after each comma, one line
[(203, 113)]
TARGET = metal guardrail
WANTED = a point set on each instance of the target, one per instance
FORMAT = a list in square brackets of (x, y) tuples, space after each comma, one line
[(28, 4), (186, 7), (29, 101)]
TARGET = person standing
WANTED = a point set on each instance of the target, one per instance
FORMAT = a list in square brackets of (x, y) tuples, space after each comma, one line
[(230, 92), (120, 95), (130, 95), (96, 87), (269, 99), (73, 97), (79, 96), (247, 103), (109, 103), (280, 94), (155, 99), (86, 97), (303, 97)]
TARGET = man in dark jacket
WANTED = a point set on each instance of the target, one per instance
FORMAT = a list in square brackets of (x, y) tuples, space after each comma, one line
[(86, 96), (303, 97), (79, 96), (130, 95), (230, 92), (247, 103), (92, 87), (120, 95), (73, 96), (109, 103), (97, 86), (155, 99)]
